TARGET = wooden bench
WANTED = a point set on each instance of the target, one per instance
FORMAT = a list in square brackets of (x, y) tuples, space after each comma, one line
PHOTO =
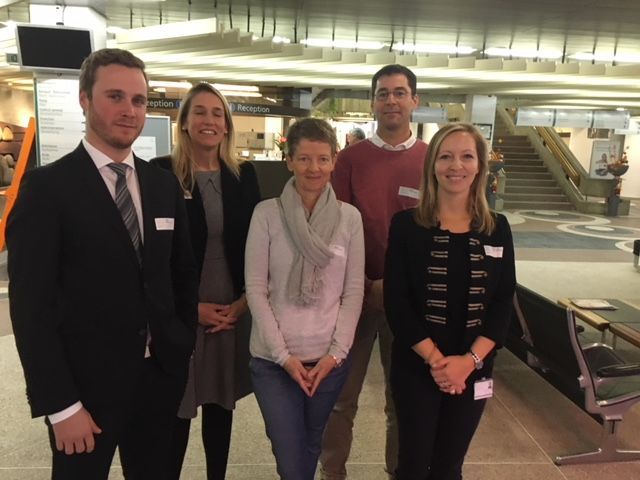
[(625, 332), (593, 376), (623, 323), (589, 317), (611, 387)]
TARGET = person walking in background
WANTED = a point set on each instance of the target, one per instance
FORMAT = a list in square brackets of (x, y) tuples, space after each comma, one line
[(379, 176), (103, 287), (305, 276), (354, 136), (448, 290), (220, 193)]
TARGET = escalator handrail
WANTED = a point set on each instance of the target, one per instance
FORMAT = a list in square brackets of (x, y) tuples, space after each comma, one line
[(553, 142)]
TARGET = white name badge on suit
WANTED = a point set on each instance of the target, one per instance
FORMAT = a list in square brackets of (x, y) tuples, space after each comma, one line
[(164, 223)]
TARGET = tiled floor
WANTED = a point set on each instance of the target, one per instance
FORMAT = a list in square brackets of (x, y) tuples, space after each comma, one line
[(525, 426)]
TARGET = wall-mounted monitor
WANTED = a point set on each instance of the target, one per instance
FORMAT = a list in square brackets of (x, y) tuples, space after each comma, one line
[(52, 48)]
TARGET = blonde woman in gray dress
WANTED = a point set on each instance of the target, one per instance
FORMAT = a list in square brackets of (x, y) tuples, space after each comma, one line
[(220, 193)]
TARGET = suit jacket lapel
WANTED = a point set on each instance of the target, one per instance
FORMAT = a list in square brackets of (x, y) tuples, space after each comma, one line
[(106, 211)]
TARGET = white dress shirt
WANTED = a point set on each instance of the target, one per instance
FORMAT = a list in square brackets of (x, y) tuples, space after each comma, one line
[(110, 177), (379, 142)]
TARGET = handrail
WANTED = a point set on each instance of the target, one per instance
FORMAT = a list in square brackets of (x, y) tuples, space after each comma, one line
[(11, 193), (552, 143), (564, 167)]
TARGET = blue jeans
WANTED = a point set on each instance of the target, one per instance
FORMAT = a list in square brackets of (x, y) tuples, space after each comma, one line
[(294, 422)]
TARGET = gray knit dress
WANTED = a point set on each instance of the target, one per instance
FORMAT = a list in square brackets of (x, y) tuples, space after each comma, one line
[(219, 368)]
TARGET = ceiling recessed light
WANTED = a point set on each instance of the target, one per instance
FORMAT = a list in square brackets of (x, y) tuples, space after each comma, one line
[(523, 53)]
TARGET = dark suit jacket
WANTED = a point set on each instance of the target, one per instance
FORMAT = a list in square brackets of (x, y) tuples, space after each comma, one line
[(239, 197), (80, 302)]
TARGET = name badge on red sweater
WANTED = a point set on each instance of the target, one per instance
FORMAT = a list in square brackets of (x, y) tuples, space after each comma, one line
[(409, 192)]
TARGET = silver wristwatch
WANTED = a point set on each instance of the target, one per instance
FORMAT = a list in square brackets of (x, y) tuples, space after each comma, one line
[(477, 361)]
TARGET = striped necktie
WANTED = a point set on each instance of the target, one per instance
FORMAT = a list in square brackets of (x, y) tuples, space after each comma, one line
[(125, 205)]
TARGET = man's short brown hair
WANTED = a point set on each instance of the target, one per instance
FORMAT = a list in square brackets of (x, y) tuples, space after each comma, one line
[(102, 58), (395, 69)]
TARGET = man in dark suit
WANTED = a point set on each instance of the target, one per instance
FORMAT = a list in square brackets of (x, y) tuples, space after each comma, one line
[(103, 287)]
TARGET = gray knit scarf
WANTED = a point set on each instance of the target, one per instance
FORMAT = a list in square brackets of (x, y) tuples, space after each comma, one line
[(311, 239)]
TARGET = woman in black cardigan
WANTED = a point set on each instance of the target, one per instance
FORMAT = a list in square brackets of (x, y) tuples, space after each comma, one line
[(448, 289), (220, 194)]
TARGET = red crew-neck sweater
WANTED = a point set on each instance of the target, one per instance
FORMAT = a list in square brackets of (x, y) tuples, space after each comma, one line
[(379, 183)]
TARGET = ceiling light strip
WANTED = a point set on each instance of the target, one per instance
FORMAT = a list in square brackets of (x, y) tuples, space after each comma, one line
[(423, 48), (349, 44), (607, 57)]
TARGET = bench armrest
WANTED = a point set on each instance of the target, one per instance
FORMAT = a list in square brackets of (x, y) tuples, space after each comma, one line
[(619, 370)]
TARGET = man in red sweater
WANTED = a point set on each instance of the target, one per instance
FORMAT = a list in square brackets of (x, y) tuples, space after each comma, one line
[(379, 176)]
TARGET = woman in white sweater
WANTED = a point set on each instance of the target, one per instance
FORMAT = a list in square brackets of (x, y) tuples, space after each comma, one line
[(304, 278)]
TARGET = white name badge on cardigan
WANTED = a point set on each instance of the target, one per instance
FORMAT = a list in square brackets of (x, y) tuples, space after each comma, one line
[(409, 192), (483, 388), (495, 252), (164, 223)]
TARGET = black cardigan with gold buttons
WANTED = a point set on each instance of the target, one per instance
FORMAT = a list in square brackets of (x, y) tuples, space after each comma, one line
[(415, 282)]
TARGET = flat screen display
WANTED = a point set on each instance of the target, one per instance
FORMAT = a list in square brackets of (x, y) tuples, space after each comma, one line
[(52, 47)]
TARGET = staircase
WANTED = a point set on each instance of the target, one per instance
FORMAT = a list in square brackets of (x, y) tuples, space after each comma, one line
[(529, 183)]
